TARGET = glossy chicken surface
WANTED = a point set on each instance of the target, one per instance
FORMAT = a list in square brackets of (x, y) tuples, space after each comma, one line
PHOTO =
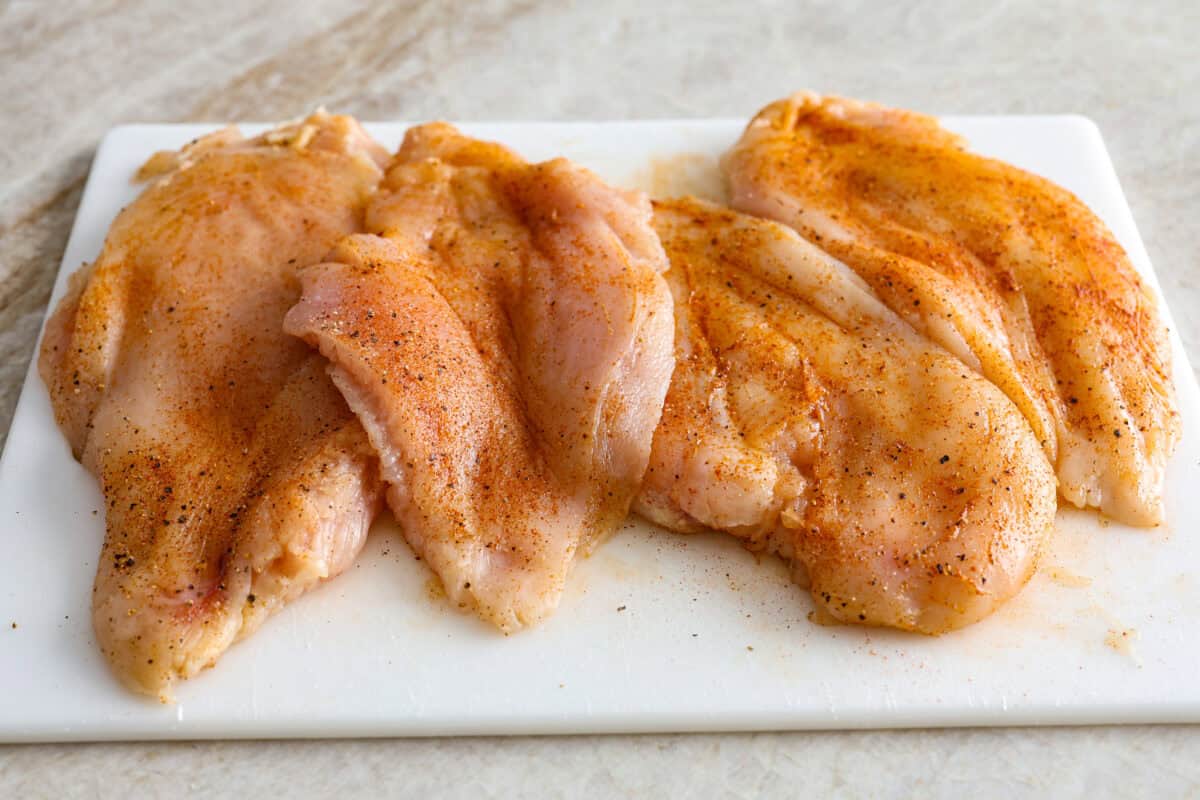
[(234, 475), (1010, 272), (506, 340), (806, 418)]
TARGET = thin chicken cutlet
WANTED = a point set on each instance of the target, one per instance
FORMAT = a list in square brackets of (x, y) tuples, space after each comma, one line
[(807, 419), (1006, 270), (504, 334), (235, 477)]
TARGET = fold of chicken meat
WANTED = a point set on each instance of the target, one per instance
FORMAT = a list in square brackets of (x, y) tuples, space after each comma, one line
[(506, 342), (806, 418), (234, 475), (1010, 272)]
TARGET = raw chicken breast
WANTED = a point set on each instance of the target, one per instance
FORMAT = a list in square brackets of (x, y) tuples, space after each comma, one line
[(234, 476), (806, 418), (1008, 271), (506, 342)]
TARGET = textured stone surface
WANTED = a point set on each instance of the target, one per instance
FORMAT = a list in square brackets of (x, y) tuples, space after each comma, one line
[(70, 69)]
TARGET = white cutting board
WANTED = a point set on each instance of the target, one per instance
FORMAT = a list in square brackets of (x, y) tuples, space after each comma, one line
[(657, 632)]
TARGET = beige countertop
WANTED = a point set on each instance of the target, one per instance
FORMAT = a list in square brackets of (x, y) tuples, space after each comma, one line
[(70, 70)]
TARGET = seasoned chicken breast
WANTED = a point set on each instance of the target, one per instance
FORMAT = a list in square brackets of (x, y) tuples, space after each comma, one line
[(1008, 271), (505, 338), (234, 475), (806, 418)]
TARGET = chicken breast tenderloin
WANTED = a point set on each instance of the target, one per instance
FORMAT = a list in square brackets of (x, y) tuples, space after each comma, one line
[(234, 475), (505, 338), (806, 418)]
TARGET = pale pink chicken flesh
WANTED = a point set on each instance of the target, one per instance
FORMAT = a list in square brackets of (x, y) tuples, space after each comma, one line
[(806, 418), (1010, 272), (234, 475), (504, 334)]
